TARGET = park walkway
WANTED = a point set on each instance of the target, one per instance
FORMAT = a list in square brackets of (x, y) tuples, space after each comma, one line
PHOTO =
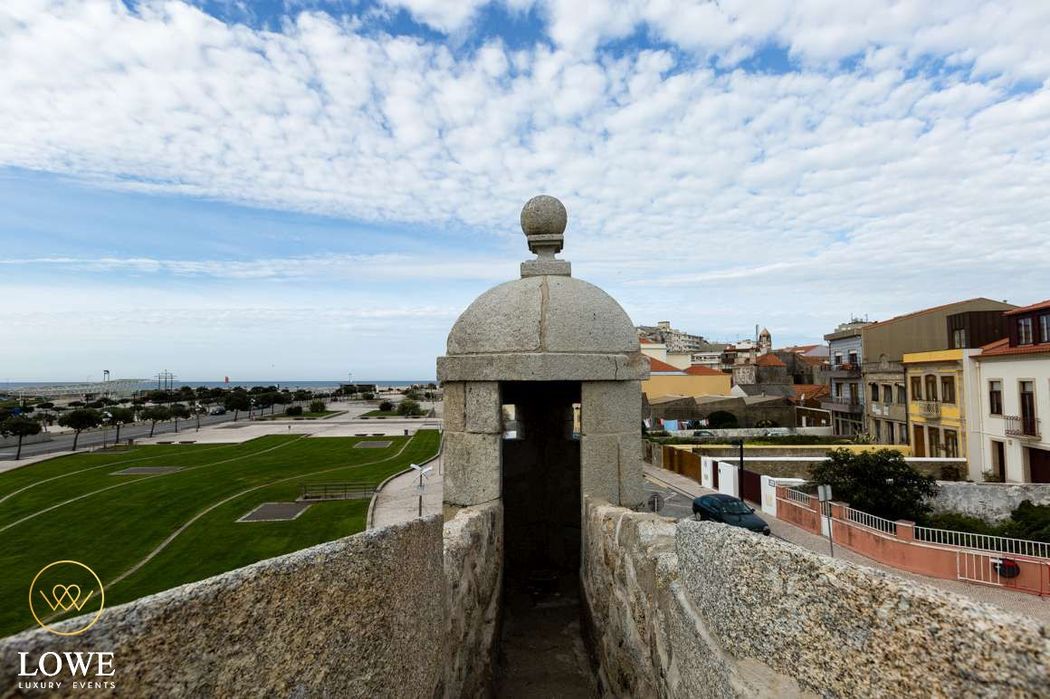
[(398, 500), (1037, 608)]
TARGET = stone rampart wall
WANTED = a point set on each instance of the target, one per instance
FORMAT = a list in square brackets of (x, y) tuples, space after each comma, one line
[(700, 609), (990, 501), (408, 610), (473, 579)]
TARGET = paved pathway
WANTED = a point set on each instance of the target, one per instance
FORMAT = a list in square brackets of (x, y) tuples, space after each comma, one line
[(1037, 608), (398, 501)]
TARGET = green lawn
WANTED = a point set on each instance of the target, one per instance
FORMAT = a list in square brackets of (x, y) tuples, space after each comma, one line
[(380, 413), (111, 523)]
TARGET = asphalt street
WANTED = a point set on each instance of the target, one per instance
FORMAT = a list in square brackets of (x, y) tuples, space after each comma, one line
[(64, 441)]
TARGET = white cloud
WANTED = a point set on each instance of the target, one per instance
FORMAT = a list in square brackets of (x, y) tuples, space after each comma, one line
[(694, 186)]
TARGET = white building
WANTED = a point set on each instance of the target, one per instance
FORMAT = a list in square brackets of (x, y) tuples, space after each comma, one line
[(1013, 389)]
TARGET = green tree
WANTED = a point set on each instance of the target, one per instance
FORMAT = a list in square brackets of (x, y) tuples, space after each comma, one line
[(317, 406), (79, 420), (879, 482), (409, 407), (155, 414), (179, 412), (386, 406), (120, 416), (237, 401), (21, 427)]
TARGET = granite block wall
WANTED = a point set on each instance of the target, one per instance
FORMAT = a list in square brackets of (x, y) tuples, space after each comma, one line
[(699, 609)]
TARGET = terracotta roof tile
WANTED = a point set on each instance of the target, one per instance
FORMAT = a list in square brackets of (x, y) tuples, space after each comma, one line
[(769, 360), (1027, 309), (1002, 348), (701, 370), (662, 367)]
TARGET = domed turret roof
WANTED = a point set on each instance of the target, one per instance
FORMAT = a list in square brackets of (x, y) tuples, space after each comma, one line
[(543, 314), (530, 328)]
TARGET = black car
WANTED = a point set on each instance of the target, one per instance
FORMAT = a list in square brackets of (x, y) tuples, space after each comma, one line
[(726, 509)]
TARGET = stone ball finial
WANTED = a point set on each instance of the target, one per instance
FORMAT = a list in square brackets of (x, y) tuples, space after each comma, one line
[(543, 215), (543, 220)]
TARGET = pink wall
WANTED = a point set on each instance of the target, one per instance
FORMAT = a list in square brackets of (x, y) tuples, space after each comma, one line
[(901, 551)]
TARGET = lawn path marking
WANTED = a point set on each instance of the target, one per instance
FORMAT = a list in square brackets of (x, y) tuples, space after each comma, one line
[(184, 527), (92, 468), (140, 480)]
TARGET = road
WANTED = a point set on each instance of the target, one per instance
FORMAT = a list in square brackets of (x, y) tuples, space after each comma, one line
[(63, 441)]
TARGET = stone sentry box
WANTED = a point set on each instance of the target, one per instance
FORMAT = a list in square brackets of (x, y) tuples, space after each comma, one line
[(547, 343)]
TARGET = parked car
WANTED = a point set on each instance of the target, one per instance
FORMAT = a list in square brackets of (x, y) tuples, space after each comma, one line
[(217, 410), (726, 509), (703, 433)]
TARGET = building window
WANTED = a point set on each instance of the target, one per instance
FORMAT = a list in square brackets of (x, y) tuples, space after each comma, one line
[(877, 430), (1044, 327), (931, 387), (948, 389), (916, 388), (1028, 407), (838, 359), (874, 392), (1024, 331), (887, 394), (853, 359), (995, 397), (959, 338), (934, 439), (951, 444), (902, 394), (902, 433)]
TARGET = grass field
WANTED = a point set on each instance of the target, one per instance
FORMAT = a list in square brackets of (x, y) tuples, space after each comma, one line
[(146, 533)]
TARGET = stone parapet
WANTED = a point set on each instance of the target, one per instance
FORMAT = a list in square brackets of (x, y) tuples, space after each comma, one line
[(354, 617), (700, 609)]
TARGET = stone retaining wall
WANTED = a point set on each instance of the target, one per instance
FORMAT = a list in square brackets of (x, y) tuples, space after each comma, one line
[(409, 610), (990, 501), (700, 609)]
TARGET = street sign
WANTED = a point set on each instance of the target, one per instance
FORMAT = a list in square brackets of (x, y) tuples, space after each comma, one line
[(824, 493)]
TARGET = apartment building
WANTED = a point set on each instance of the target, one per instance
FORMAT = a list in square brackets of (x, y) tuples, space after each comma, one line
[(1013, 387), (884, 344), (845, 399)]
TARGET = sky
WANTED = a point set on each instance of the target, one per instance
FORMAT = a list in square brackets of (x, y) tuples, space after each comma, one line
[(305, 189)]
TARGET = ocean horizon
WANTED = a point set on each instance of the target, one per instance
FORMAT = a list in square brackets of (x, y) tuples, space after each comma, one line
[(291, 384)]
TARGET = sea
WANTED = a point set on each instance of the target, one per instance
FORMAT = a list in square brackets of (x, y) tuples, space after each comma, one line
[(291, 384)]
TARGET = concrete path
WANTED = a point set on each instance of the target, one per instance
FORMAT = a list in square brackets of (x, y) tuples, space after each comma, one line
[(398, 501), (1037, 608)]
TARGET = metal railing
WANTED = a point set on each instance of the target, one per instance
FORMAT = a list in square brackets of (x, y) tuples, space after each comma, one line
[(801, 498), (928, 408), (1022, 426), (336, 491), (864, 519), (983, 542)]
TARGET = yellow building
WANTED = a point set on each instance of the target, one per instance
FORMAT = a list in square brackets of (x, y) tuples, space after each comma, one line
[(667, 380), (936, 402)]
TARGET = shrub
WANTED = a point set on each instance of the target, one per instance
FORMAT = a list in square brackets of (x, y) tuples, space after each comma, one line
[(293, 410), (991, 476), (409, 407), (386, 406), (879, 482), (951, 472), (368, 396), (317, 406)]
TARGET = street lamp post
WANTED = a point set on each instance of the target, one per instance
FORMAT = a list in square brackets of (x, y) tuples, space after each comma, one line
[(106, 417)]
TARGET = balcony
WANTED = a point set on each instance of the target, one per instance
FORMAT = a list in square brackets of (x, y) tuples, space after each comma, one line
[(844, 371), (927, 408), (1022, 426), (842, 404)]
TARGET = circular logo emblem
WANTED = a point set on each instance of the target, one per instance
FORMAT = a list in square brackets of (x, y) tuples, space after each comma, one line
[(63, 589)]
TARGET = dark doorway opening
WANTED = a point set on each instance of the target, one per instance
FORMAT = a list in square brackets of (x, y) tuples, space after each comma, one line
[(542, 653), (541, 479)]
